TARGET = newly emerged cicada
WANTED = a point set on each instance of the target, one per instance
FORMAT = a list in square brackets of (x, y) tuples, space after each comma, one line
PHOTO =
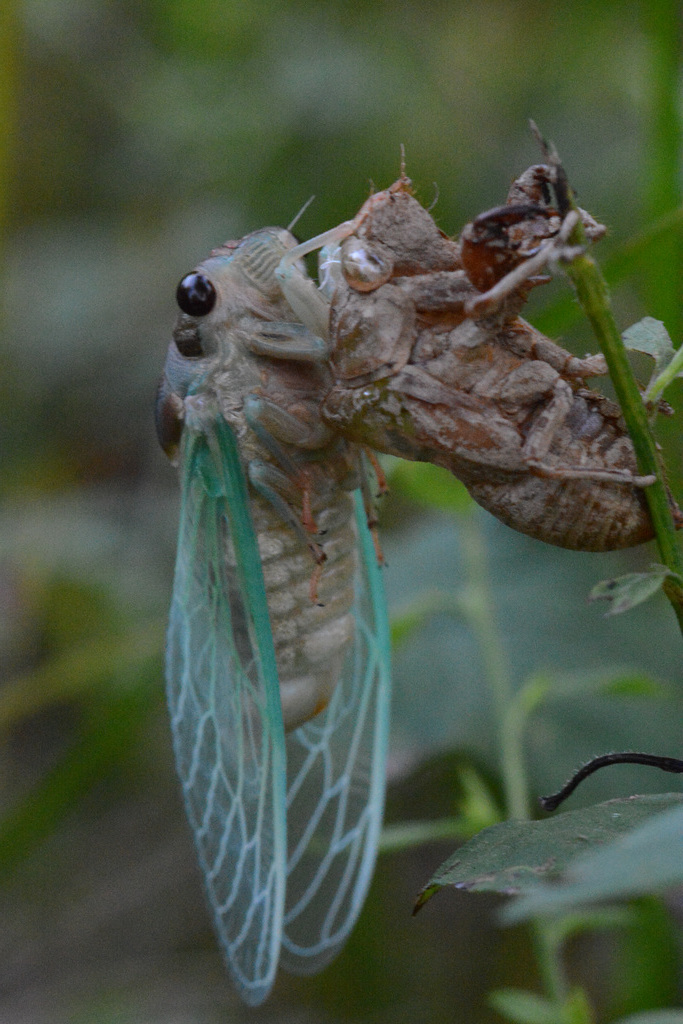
[(432, 362), (277, 660)]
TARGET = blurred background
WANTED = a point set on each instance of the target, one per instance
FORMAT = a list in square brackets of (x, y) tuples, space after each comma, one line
[(135, 137)]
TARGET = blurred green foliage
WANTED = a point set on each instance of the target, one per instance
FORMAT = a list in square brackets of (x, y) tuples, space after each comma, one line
[(135, 137)]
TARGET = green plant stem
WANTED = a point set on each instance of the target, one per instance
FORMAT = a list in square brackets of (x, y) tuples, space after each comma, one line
[(657, 386), (517, 715), (549, 959), (10, 49), (663, 274), (511, 712), (479, 608), (593, 295), (77, 671), (623, 262), (405, 835)]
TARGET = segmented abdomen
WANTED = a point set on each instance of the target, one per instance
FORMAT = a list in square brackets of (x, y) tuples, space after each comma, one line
[(583, 515), (311, 632)]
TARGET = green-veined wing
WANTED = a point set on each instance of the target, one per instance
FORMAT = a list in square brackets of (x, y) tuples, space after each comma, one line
[(230, 743)]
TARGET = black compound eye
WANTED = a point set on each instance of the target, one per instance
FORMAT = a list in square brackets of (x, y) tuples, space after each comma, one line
[(195, 295)]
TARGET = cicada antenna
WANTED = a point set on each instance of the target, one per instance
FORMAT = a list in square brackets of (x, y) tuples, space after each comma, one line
[(300, 213), (435, 199)]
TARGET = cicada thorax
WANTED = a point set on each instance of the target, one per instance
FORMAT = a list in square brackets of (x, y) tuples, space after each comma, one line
[(399, 238)]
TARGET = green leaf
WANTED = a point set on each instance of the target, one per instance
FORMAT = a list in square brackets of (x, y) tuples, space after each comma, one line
[(636, 685), (429, 486), (514, 855), (451, 709), (625, 592), (406, 622), (645, 974), (523, 1007), (78, 672), (560, 929), (477, 810), (651, 337), (405, 835), (577, 1009), (640, 860), (103, 742), (615, 682)]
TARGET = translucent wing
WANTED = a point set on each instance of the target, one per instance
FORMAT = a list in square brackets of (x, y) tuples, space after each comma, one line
[(225, 708), (336, 767)]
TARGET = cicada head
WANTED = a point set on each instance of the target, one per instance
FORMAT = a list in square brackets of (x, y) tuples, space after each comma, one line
[(236, 279)]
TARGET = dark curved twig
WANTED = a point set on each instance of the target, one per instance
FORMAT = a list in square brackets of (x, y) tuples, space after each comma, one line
[(667, 764)]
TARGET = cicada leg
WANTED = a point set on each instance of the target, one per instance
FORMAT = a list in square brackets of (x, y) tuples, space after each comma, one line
[(276, 426), (311, 304), (380, 476), (307, 301), (280, 490), (606, 475), (288, 489), (544, 431), (289, 342), (368, 502)]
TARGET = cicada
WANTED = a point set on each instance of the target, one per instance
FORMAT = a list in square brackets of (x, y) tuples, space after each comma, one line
[(432, 362), (277, 661)]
